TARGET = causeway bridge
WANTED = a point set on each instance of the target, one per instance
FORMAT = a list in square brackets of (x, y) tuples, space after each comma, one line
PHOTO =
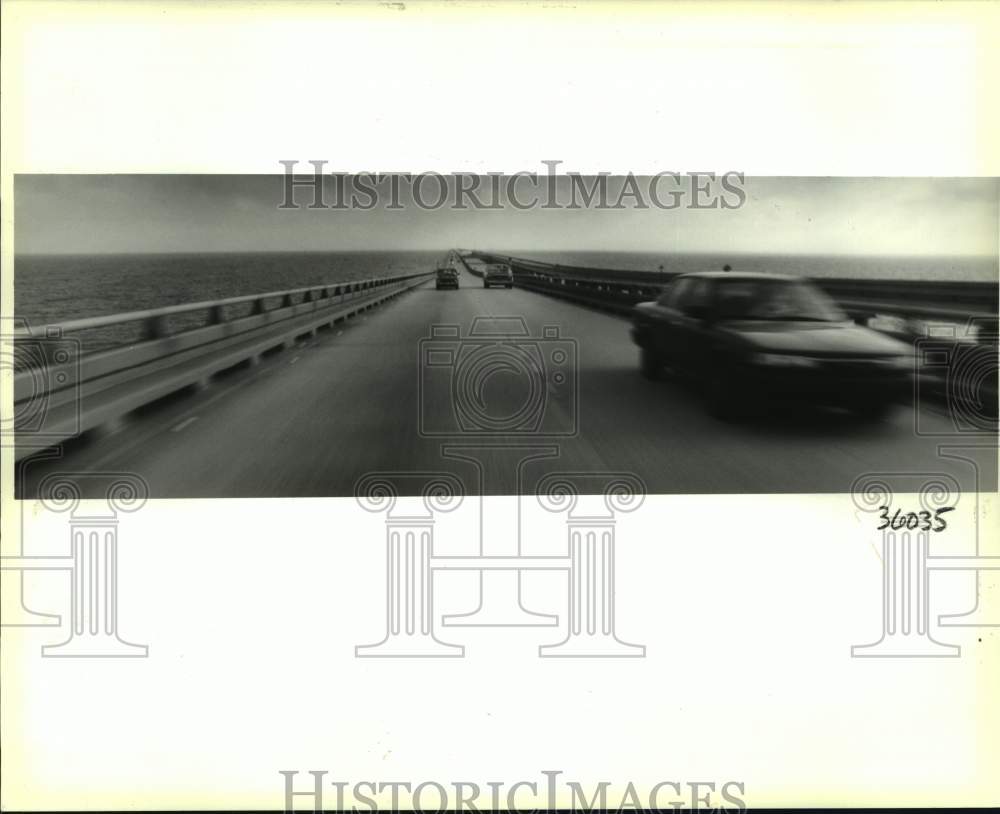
[(302, 392)]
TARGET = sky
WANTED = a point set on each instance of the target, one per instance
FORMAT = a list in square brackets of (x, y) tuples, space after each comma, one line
[(93, 214)]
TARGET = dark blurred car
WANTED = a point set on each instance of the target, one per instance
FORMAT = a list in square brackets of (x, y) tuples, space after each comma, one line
[(447, 277), (753, 338), (498, 274)]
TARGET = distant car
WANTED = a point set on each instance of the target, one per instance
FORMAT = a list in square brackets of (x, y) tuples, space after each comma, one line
[(447, 277), (498, 274), (752, 338)]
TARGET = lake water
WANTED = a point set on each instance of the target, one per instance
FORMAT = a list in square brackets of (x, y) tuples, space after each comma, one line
[(55, 288)]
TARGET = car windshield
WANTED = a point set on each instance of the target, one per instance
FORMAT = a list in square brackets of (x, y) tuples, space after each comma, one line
[(775, 299)]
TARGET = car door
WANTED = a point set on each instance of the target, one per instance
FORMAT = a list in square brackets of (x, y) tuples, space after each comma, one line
[(696, 332), (690, 326), (667, 318)]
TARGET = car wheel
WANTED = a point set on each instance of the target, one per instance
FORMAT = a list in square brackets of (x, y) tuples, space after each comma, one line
[(650, 364)]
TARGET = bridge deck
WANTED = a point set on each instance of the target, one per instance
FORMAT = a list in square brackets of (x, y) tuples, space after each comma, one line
[(311, 420)]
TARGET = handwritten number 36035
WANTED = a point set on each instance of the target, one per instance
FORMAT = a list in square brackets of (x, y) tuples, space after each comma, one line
[(924, 520)]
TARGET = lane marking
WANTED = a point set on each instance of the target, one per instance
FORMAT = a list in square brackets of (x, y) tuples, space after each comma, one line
[(185, 423), (151, 433), (294, 360)]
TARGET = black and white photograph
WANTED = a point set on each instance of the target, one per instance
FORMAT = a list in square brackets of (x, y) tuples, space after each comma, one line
[(280, 336), (499, 405)]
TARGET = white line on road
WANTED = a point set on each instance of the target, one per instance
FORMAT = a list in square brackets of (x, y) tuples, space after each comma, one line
[(294, 360), (185, 423), (117, 453)]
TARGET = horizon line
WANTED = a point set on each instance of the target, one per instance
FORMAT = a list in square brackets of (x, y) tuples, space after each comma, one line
[(509, 252)]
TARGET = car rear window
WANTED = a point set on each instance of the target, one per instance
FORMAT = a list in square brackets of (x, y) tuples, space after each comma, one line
[(675, 295), (774, 300), (698, 294)]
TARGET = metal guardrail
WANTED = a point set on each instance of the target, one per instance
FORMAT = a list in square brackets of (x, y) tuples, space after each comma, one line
[(60, 392), (965, 312), (616, 290)]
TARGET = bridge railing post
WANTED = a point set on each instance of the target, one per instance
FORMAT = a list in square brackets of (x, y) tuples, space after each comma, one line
[(156, 327)]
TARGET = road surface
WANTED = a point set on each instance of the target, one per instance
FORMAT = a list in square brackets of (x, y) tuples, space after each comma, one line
[(313, 419)]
